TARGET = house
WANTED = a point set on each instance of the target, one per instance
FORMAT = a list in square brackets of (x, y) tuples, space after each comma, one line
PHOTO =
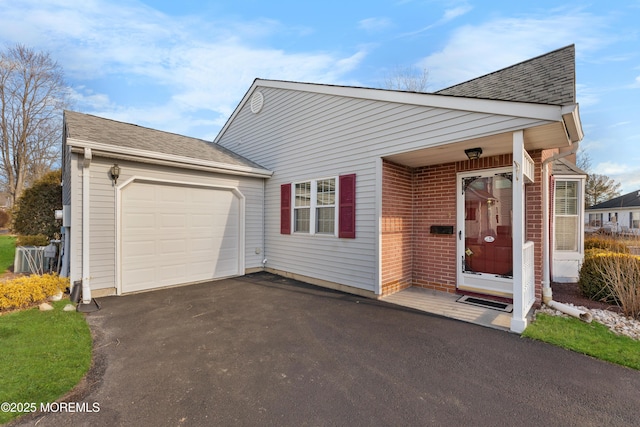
[(363, 190), (618, 215)]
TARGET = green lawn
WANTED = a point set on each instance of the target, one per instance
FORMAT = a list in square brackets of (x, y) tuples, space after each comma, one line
[(593, 339), (43, 354), (7, 252)]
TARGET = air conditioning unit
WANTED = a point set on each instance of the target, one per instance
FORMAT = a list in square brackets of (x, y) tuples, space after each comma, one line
[(29, 259)]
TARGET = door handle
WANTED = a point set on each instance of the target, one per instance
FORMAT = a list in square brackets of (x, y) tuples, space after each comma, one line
[(460, 235)]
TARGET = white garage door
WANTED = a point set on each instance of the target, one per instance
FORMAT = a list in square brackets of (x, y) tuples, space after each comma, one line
[(172, 234)]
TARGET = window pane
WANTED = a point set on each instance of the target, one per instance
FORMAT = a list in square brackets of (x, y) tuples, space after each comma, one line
[(325, 220), (303, 194), (566, 233), (301, 220), (566, 198), (326, 189)]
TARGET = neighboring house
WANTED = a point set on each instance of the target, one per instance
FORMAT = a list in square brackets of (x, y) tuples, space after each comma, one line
[(618, 215), (364, 190)]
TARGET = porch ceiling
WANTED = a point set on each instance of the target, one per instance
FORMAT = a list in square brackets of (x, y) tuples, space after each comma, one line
[(547, 136)]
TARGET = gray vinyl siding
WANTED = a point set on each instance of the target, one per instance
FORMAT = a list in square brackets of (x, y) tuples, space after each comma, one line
[(66, 175), (302, 136), (75, 191), (103, 215)]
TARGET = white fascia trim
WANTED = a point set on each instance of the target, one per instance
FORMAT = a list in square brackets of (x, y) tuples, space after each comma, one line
[(571, 117), (108, 150)]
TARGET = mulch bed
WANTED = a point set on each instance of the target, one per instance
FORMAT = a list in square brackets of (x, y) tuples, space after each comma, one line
[(570, 293)]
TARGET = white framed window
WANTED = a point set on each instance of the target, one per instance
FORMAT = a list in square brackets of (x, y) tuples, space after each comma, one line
[(301, 207), (567, 211), (634, 220), (314, 206), (595, 219)]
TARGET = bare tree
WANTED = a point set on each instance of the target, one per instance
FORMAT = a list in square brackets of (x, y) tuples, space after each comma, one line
[(33, 95), (410, 79), (583, 161), (598, 188)]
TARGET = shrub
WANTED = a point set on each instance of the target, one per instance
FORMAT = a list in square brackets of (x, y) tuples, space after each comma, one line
[(621, 275), (612, 277), (34, 212), (590, 281), (606, 243), (36, 240), (24, 291)]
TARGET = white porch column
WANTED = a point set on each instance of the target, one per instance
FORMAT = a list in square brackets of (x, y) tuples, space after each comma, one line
[(523, 282)]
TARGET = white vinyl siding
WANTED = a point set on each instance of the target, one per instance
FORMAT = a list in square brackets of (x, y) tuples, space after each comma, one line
[(301, 135)]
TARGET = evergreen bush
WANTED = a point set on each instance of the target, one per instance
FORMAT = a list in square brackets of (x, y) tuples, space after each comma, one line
[(34, 212)]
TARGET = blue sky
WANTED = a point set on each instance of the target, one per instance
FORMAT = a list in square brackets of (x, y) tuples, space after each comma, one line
[(183, 66)]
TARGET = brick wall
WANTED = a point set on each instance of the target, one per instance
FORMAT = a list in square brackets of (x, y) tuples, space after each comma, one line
[(397, 226), (416, 199), (434, 203)]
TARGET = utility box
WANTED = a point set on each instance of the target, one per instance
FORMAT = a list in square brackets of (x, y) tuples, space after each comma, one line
[(29, 259)]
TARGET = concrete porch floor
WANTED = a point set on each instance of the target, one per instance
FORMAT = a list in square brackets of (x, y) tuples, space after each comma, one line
[(445, 304)]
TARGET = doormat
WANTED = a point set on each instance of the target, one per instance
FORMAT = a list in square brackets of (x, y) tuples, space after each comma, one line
[(486, 303)]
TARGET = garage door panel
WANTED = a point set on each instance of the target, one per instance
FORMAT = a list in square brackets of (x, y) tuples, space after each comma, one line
[(172, 247), (142, 220), (177, 234), (173, 220)]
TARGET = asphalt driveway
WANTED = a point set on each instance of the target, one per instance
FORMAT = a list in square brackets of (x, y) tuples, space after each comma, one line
[(264, 350)]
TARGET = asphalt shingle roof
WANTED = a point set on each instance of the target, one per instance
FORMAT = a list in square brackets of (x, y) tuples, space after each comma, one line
[(563, 167), (546, 79), (625, 201), (106, 131)]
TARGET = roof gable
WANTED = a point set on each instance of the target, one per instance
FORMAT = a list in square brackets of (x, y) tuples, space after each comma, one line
[(563, 167), (120, 136), (629, 200), (546, 79)]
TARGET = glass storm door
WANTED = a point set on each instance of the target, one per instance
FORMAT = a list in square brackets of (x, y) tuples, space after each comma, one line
[(485, 244)]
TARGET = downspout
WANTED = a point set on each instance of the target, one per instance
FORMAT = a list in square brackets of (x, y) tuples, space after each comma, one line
[(264, 221), (547, 294), (86, 288)]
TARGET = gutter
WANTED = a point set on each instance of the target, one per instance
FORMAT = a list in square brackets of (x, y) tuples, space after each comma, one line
[(547, 294), (152, 157)]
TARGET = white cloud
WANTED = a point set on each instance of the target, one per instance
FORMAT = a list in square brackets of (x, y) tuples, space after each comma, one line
[(628, 175), (374, 24), (636, 83), (612, 168), (451, 14), (201, 67), (475, 50), (586, 95)]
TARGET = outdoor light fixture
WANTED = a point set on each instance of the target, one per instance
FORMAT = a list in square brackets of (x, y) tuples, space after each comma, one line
[(473, 153), (115, 173)]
